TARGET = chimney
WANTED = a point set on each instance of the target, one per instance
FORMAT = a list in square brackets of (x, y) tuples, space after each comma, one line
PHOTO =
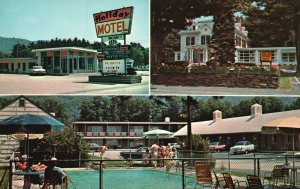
[(256, 110), (167, 119), (217, 115)]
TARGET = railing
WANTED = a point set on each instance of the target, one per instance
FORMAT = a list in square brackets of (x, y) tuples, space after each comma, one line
[(140, 173), (112, 134)]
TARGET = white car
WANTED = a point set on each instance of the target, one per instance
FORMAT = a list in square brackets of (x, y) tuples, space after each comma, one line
[(38, 70), (242, 147)]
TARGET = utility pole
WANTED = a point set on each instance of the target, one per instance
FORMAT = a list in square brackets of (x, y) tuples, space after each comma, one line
[(189, 124)]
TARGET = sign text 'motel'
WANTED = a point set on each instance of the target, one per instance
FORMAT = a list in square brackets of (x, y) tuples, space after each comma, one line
[(114, 22)]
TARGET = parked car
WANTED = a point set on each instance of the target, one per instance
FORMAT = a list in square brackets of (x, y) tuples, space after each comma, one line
[(217, 146), (177, 146), (242, 147), (38, 70), (94, 146), (135, 154)]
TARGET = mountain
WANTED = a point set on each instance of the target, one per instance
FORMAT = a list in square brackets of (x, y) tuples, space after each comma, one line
[(7, 44)]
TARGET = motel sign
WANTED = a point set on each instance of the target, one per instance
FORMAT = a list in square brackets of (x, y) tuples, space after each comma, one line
[(114, 22)]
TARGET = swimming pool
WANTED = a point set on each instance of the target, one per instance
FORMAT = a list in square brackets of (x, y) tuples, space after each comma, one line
[(131, 179)]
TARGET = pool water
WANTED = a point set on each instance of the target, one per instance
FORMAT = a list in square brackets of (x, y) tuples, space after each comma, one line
[(131, 179)]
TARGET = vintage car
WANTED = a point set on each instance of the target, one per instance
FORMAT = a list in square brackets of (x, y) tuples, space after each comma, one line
[(135, 154), (38, 70), (217, 146), (242, 147)]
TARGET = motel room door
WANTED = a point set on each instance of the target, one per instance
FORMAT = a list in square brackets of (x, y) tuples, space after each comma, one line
[(71, 65), (64, 65)]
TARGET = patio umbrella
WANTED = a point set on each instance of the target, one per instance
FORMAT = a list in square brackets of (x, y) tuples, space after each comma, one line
[(289, 125), (29, 123), (158, 133)]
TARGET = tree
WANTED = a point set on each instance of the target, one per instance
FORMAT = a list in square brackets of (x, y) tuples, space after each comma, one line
[(137, 55), (169, 15), (97, 109), (275, 23), (222, 39)]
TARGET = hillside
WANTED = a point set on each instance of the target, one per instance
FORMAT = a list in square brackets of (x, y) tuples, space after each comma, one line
[(6, 44)]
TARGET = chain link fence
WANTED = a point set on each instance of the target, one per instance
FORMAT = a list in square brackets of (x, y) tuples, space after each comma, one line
[(140, 173)]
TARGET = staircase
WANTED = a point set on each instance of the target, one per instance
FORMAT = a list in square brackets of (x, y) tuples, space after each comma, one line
[(8, 145)]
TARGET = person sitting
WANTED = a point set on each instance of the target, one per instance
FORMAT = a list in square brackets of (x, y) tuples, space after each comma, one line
[(54, 175)]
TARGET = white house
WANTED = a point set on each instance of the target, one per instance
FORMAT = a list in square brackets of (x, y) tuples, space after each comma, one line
[(194, 41)]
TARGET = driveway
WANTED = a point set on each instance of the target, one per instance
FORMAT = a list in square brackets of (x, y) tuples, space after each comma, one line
[(71, 84)]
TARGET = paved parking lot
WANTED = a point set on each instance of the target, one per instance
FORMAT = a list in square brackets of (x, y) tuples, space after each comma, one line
[(17, 84)]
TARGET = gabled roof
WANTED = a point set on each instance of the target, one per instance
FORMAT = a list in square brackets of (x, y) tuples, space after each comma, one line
[(236, 125), (12, 108)]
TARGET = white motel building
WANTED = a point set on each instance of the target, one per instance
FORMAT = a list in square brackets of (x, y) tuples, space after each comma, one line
[(194, 41), (60, 60)]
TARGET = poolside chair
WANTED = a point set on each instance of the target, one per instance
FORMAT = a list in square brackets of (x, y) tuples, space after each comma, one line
[(54, 178), (219, 181), (254, 182), (278, 173), (233, 184), (203, 175)]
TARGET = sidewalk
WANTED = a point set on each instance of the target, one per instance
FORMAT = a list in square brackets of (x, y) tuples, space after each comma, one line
[(225, 91)]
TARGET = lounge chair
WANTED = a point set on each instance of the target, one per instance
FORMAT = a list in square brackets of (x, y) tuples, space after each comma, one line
[(233, 184), (278, 173), (54, 178), (254, 182), (203, 175)]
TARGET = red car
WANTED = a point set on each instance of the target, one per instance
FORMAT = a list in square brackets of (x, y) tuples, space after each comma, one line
[(217, 146)]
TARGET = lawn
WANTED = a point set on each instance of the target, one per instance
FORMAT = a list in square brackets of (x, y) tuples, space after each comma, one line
[(4, 177), (284, 83)]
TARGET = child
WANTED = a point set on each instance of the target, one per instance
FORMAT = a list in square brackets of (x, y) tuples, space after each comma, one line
[(146, 156)]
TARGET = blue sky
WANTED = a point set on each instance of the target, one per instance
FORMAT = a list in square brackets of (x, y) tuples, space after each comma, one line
[(48, 19)]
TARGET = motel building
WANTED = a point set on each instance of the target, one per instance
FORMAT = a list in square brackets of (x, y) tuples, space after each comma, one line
[(231, 130), (195, 39), (60, 60), (66, 60), (16, 65), (124, 134)]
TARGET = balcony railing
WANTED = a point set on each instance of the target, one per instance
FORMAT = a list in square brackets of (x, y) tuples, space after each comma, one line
[(113, 134)]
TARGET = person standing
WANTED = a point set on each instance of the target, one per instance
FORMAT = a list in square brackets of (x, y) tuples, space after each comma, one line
[(169, 162), (154, 153), (102, 151)]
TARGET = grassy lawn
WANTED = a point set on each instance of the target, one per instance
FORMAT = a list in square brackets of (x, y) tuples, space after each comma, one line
[(284, 83), (4, 176)]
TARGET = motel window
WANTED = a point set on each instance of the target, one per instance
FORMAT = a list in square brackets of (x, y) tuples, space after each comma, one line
[(24, 67), (92, 128), (137, 129), (244, 43), (205, 39), (190, 41), (288, 57), (114, 129), (30, 66), (19, 65), (246, 56), (154, 127), (75, 63)]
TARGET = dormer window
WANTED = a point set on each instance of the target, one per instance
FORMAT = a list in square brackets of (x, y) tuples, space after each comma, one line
[(21, 103)]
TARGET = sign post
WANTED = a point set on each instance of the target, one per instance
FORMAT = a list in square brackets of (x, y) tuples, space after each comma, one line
[(114, 25), (265, 56)]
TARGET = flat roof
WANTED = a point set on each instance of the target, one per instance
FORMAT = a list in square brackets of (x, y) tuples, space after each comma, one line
[(64, 48)]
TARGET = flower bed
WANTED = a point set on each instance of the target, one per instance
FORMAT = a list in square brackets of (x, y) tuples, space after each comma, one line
[(254, 77)]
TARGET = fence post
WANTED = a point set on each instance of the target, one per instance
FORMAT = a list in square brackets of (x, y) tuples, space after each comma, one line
[(183, 174), (254, 163), (100, 175), (258, 167), (10, 175), (229, 163), (79, 163)]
